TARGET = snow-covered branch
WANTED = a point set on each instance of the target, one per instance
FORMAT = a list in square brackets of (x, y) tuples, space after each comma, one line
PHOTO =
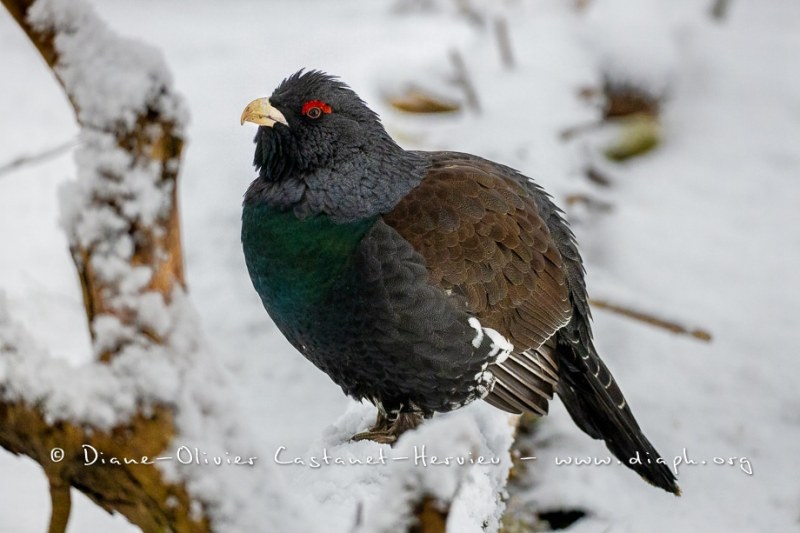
[(122, 223), (120, 214), (51, 412)]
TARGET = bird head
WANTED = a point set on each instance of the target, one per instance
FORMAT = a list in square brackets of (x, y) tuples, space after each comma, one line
[(312, 120), (320, 149)]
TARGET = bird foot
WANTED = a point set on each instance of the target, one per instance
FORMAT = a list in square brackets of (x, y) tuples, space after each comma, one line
[(386, 431), (381, 437)]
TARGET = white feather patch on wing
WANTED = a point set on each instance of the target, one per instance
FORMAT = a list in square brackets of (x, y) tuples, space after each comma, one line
[(501, 347), (476, 325)]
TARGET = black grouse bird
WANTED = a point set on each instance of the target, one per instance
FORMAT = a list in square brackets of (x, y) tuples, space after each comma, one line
[(422, 281)]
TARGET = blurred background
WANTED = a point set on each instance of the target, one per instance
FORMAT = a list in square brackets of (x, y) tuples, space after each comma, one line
[(668, 130)]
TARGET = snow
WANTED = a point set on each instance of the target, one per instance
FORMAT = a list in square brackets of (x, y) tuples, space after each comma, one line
[(110, 79), (473, 454), (634, 42), (702, 231)]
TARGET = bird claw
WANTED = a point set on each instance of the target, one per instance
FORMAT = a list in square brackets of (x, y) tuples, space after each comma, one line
[(381, 437), (387, 431)]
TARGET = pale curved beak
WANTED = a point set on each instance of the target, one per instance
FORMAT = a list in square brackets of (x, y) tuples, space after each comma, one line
[(260, 112)]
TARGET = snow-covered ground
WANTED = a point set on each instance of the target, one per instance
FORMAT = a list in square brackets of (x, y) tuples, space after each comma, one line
[(703, 229)]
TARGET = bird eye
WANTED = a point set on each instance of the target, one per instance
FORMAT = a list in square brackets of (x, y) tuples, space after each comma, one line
[(315, 108)]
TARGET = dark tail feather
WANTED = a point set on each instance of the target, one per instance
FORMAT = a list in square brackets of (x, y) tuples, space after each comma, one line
[(586, 387), (598, 407)]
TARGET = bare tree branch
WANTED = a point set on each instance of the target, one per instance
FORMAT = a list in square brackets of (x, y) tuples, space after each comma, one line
[(647, 318), (60, 503), (463, 80), (44, 155), (504, 42)]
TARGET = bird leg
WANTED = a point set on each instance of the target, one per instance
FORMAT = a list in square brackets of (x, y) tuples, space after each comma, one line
[(386, 430)]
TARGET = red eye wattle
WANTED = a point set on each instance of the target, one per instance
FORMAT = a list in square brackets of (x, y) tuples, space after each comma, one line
[(315, 108)]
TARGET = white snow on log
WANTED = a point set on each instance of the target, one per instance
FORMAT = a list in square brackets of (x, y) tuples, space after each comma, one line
[(111, 79), (465, 466)]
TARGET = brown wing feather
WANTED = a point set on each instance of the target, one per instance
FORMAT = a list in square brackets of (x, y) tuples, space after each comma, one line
[(483, 240)]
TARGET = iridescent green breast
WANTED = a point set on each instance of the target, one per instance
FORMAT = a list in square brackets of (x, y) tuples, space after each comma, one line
[(294, 262)]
